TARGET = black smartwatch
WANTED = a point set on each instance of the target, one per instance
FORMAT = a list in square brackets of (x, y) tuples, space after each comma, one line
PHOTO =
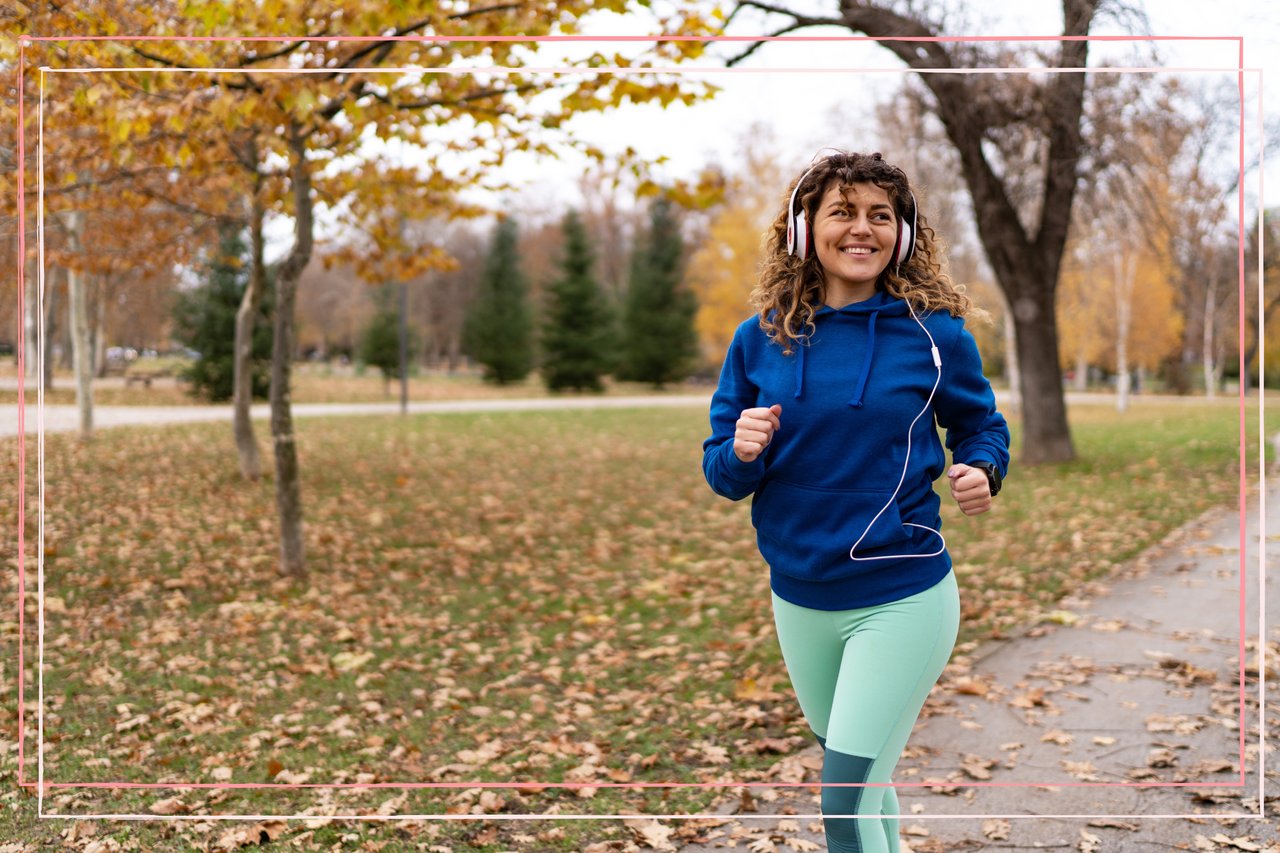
[(993, 475)]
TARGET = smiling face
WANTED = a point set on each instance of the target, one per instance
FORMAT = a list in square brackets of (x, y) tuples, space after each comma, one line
[(854, 234)]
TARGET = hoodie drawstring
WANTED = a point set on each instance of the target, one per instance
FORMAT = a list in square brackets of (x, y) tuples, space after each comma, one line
[(866, 362), (801, 342)]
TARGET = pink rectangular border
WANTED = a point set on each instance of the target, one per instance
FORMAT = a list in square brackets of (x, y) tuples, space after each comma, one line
[(1242, 492)]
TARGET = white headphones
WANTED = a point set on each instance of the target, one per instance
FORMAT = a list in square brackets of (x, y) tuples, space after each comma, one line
[(798, 227)]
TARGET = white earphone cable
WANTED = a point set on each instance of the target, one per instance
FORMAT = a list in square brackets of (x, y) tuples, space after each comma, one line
[(937, 362)]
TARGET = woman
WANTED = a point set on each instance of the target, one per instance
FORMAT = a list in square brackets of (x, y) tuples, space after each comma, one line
[(825, 415)]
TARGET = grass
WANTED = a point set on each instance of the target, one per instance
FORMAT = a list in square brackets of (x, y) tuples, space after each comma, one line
[(540, 597)]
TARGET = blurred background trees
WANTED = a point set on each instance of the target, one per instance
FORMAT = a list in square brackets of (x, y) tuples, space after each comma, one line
[(204, 321), (1091, 214)]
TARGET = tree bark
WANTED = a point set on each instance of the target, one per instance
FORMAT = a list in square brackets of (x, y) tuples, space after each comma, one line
[(31, 321), (50, 327), (1210, 370), (1045, 437), (81, 353), (1124, 275), (288, 488), (1026, 262), (100, 329), (66, 332), (242, 396)]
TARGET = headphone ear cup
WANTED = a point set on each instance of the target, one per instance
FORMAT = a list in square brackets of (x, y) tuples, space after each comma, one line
[(802, 236), (906, 244)]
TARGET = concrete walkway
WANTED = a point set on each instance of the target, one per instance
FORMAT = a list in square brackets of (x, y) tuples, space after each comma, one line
[(1098, 727), (65, 418)]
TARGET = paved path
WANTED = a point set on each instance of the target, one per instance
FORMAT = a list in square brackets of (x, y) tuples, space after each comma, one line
[(1141, 689), (65, 419)]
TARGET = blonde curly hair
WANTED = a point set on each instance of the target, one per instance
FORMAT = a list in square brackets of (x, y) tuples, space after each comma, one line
[(790, 290)]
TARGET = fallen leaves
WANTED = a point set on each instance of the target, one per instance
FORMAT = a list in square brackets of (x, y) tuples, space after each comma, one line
[(238, 837), (1058, 736), (1082, 770), (969, 686), (168, 806), (977, 767), (651, 833), (1179, 723), (1088, 843), (996, 829)]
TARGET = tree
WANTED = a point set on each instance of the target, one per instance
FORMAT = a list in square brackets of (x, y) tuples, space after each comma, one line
[(659, 343), (1019, 140), (322, 124), (380, 339), (725, 267), (205, 319), (577, 326), (1269, 233), (499, 332)]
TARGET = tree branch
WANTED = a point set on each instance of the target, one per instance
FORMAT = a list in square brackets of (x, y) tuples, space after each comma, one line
[(795, 25), (474, 96), (119, 176)]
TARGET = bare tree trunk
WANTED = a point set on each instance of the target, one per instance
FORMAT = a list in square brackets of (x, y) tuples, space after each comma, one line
[(1081, 382), (1044, 412), (81, 354), (50, 326), (1210, 370), (242, 396), (66, 332), (100, 329), (288, 488), (31, 322), (1123, 283)]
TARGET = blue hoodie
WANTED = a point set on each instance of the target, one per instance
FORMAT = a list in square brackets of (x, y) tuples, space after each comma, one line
[(848, 396)]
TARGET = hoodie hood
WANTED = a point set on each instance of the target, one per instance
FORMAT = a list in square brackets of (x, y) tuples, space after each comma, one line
[(870, 309)]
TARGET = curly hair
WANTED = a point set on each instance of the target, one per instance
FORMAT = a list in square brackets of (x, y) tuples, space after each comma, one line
[(790, 290)]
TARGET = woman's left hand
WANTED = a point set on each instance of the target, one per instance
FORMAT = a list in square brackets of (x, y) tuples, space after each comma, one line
[(970, 488)]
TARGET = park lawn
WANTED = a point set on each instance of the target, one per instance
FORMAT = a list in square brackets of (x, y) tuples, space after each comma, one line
[(532, 597)]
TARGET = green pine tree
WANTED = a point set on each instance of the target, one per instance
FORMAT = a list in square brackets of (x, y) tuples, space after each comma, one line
[(380, 338), (577, 328), (499, 325), (205, 321), (659, 343)]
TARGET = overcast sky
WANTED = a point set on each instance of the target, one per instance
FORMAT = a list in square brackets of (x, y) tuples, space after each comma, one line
[(799, 105)]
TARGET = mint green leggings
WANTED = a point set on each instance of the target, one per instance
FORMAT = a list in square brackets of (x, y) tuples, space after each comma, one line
[(861, 677)]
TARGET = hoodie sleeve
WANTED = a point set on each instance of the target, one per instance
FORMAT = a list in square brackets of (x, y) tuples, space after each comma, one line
[(728, 475), (966, 408)]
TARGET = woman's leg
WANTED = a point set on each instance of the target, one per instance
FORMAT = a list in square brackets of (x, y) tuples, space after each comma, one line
[(861, 677)]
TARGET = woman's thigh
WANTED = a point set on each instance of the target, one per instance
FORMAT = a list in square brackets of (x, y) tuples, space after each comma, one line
[(861, 676)]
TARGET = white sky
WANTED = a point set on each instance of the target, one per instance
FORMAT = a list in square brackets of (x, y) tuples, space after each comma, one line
[(799, 106)]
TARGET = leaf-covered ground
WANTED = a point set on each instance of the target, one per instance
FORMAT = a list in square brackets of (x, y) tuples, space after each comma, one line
[(531, 598)]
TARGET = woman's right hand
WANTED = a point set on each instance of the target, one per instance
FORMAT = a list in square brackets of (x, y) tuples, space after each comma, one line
[(754, 430)]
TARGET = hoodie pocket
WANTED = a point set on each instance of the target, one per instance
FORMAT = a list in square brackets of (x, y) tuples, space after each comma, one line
[(806, 532)]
